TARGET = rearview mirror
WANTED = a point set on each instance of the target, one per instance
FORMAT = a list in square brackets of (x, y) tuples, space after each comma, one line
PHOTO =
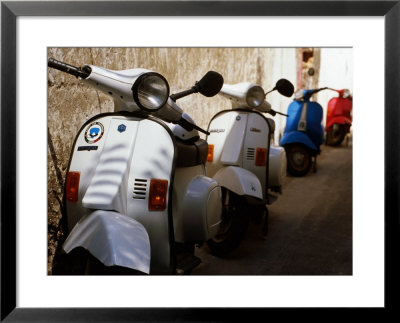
[(210, 84), (284, 87)]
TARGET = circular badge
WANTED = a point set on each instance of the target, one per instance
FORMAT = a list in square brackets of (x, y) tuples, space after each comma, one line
[(94, 132)]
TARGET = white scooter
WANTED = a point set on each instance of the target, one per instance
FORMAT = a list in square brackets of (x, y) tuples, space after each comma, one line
[(243, 161), (137, 199)]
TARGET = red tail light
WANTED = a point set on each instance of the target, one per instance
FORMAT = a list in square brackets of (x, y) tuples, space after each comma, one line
[(158, 195), (72, 187), (261, 157)]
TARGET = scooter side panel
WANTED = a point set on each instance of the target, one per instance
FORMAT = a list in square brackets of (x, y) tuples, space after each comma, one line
[(256, 136), (107, 235), (181, 183), (152, 158), (277, 166), (297, 137), (201, 212)]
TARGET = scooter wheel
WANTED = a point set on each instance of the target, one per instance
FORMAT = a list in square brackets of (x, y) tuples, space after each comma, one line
[(298, 160), (336, 135), (234, 225)]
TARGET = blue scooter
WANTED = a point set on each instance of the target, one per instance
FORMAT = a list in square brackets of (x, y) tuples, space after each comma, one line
[(304, 133)]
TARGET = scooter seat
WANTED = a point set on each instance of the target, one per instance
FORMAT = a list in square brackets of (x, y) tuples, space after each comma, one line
[(191, 153)]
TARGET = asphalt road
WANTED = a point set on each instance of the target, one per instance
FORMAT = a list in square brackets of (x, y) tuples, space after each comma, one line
[(310, 227)]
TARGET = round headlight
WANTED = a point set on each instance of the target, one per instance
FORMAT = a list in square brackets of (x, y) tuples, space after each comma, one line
[(298, 94), (255, 96), (150, 91)]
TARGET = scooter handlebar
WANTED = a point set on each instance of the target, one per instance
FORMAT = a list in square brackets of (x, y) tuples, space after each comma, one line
[(82, 72), (320, 89), (190, 126), (273, 113)]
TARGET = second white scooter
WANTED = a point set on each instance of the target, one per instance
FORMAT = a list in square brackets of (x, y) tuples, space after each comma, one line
[(243, 161)]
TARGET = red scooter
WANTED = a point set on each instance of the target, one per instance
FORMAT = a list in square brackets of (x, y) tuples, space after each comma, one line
[(339, 117)]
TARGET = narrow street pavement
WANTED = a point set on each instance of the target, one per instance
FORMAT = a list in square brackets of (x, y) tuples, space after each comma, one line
[(310, 227)]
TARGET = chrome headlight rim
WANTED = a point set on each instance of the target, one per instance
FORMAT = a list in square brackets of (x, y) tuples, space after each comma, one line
[(140, 81), (255, 96)]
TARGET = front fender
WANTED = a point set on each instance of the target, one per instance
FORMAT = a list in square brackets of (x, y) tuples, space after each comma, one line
[(112, 238), (240, 181), (297, 137)]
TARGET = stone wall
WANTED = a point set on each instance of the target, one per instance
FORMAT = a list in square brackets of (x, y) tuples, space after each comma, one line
[(71, 103)]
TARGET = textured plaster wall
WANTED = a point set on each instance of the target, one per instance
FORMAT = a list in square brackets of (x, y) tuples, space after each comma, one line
[(71, 103)]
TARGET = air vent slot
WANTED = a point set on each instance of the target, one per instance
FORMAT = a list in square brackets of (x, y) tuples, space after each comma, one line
[(251, 153), (139, 189)]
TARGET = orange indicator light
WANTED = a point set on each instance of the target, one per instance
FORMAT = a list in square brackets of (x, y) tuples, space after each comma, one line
[(210, 155), (72, 187), (261, 157), (158, 195)]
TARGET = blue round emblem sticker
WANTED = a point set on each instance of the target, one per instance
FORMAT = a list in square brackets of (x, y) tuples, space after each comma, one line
[(94, 132)]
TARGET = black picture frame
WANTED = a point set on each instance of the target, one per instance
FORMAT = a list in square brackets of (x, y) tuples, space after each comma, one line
[(10, 10)]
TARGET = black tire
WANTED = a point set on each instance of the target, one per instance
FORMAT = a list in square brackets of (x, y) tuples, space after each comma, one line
[(336, 135), (298, 160), (81, 262), (235, 221)]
